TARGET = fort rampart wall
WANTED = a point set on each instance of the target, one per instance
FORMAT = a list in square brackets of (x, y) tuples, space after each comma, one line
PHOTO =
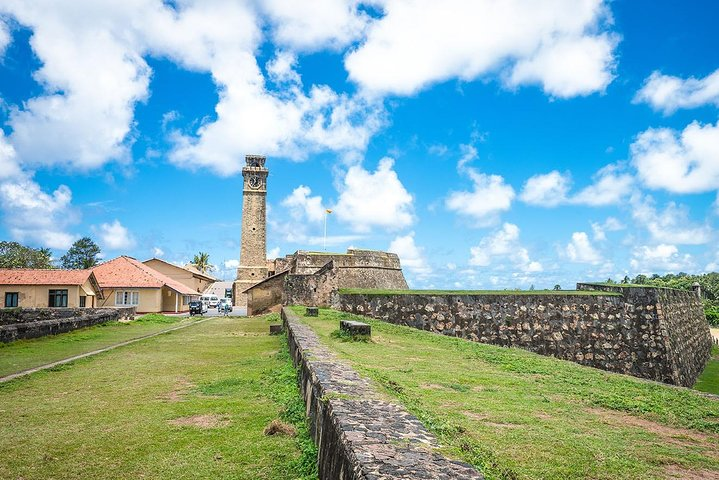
[(654, 333)]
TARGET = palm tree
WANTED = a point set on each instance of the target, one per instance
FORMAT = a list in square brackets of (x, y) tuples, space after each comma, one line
[(202, 262)]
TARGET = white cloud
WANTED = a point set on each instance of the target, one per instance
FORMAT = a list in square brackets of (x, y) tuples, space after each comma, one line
[(421, 42), (273, 253), (489, 197), (580, 250), (35, 216), (546, 190), (672, 225), (611, 224), (611, 185), (94, 74), (9, 167), (411, 256), (686, 162), (231, 264), (469, 154), (281, 69), (5, 37), (503, 246), (304, 206), (157, 252), (316, 24), (668, 93), (659, 258), (375, 199), (114, 236), (591, 60)]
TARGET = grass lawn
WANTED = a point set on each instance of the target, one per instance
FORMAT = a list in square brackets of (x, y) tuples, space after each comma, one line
[(709, 379), (518, 415), (189, 404), (24, 354)]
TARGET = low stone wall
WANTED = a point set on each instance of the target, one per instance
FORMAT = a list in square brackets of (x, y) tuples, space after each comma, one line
[(23, 323), (359, 435), (650, 333)]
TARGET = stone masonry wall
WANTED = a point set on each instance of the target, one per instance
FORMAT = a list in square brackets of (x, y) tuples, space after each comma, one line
[(358, 433), (24, 323), (682, 324), (618, 331), (312, 289)]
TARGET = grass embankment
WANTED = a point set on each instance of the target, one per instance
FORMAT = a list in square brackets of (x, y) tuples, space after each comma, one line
[(25, 354), (369, 291), (518, 415), (709, 379), (189, 404)]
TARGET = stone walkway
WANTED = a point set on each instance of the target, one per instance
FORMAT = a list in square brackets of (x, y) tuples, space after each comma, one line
[(360, 435), (13, 376)]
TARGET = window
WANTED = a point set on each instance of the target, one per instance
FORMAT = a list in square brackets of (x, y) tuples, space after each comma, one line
[(57, 298), (82, 301), (127, 298), (11, 299), (185, 299)]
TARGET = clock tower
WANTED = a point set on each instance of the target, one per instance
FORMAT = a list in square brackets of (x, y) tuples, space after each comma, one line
[(253, 248)]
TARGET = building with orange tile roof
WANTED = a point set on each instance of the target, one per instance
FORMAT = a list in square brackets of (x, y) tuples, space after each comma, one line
[(35, 288), (125, 281), (187, 275)]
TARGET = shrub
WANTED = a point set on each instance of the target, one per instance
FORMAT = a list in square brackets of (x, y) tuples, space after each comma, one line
[(712, 313)]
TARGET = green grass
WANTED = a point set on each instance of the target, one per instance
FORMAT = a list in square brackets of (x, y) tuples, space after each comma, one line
[(518, 415), (708, 381), (369, 291), (111, 416), (24, 354)]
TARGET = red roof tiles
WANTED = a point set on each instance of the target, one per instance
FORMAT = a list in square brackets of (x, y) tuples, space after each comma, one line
[(126, 272), (23, 276)]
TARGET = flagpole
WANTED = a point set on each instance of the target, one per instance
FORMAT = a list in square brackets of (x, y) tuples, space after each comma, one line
[(324, 239)]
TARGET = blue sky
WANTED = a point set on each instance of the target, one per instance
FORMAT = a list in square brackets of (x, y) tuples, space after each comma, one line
[(490, 145)]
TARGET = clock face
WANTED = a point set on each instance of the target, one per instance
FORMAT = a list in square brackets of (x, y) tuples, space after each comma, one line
[(254, 181)]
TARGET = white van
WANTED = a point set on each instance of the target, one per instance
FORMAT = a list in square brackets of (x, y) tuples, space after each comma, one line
[(210, 300)]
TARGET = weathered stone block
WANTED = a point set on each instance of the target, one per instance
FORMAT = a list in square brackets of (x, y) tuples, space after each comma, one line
[(312, 312), (355, 328), (275, 328)]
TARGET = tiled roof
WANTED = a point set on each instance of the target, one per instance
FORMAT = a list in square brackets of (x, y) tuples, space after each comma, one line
[(191, 268), (188, 268), (126, 272), (23, 276)]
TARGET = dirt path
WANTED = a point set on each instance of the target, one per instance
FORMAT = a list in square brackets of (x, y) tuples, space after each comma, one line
[(13, 376)]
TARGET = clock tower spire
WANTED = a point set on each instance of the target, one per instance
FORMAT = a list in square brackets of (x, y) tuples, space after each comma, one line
[(253, 245)]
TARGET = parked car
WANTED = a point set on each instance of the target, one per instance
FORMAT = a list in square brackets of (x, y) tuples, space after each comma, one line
[(225, 304), (210, 300), (197, 307)]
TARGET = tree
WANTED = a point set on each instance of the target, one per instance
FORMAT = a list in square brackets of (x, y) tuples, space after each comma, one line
[(625, 280), (557, 287), (202, 262), (15, 255), (83, 254)]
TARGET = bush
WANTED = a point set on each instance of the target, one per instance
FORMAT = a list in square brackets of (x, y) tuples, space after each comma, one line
[(712, 313)]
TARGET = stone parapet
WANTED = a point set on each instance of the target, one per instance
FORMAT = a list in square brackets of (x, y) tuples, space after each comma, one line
[(657, 334), (358, 434), (24, 323)]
